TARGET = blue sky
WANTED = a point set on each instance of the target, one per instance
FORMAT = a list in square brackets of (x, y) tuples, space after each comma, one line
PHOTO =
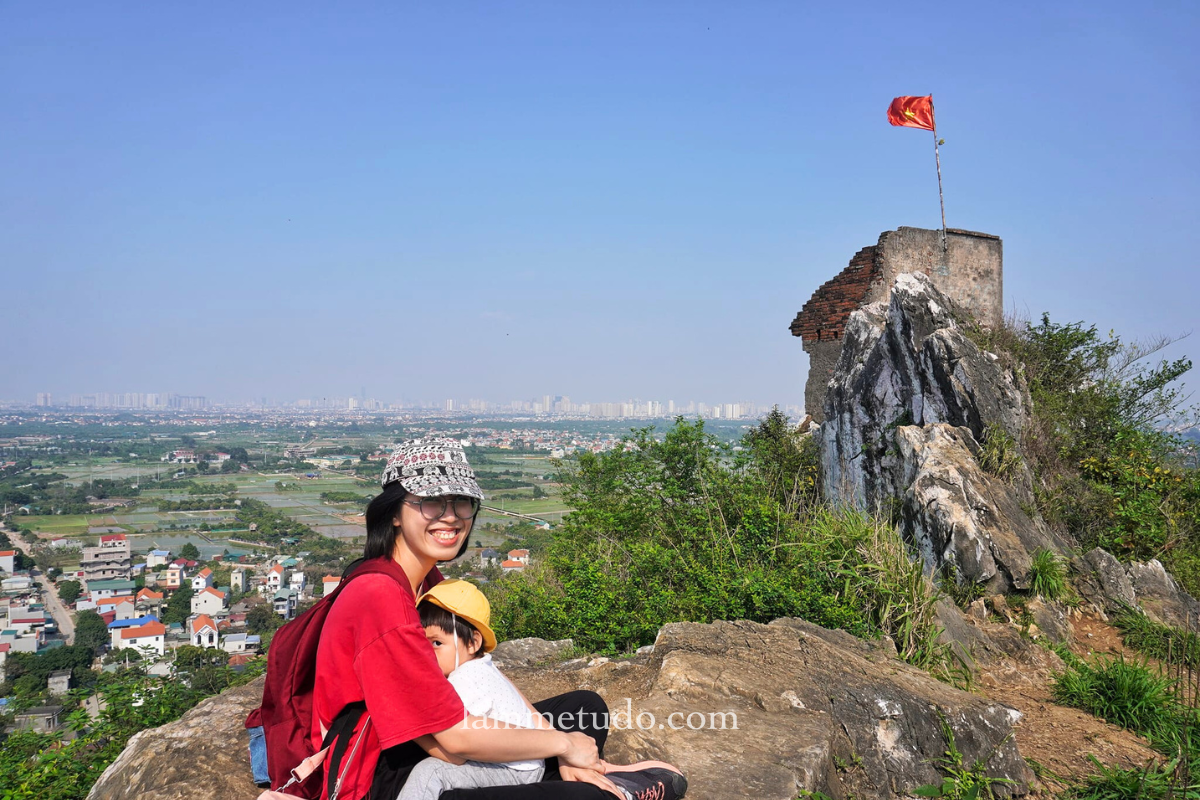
[(603, 200)]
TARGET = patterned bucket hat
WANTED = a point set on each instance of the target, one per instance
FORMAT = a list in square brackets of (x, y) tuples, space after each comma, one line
[(432, 468)]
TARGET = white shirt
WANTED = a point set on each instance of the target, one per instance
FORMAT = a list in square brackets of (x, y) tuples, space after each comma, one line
[(485, 692)]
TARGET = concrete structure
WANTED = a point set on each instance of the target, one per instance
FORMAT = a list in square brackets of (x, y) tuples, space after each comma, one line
[(59, 682), (43, 719), (175, 577), (329, 583), (99, 590), (237, 580), (109, 560), (7, 560), (119, 626), (158, 558), (970, 270)]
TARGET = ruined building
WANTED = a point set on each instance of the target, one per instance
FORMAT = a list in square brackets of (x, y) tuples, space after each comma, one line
[(970, 269)]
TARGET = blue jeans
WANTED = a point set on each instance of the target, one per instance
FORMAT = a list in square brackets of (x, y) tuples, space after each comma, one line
[(258, 756)]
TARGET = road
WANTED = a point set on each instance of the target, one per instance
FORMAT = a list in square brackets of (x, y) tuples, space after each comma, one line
[(62, 617)]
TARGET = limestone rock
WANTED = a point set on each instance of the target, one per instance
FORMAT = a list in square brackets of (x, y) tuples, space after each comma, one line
[(1111, 585), (802, 708), (530, 651), (1051, 619), (1103, 580), (908, 404), (203, 754)]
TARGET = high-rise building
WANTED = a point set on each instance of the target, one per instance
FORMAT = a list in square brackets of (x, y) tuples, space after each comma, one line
[(44, 400)]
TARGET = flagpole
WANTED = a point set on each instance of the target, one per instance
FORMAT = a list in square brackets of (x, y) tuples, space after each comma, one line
[(937, 158)]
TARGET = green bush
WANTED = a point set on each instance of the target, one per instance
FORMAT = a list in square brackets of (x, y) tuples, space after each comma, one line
[(1106, 470), (679, 529)]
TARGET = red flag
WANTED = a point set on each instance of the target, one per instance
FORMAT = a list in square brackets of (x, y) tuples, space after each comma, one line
[(912, 112)]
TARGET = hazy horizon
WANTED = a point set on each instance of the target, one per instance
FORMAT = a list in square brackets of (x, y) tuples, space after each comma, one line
[(599, 201)]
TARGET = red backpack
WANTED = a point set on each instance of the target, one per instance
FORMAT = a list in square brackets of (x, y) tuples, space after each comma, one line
[(287, 705)]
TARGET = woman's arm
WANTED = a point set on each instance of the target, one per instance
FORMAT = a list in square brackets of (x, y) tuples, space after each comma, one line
[(483, 739)]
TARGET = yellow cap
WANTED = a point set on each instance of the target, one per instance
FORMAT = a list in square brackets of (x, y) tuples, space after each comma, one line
[(464, 599)]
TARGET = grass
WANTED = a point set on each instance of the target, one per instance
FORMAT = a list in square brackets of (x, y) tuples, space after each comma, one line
[(1147, 702), (1047, 574), (1167, 644), (961, 782), (999, 454)]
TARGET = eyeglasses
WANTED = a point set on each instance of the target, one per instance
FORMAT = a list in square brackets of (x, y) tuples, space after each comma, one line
[(435, 507)]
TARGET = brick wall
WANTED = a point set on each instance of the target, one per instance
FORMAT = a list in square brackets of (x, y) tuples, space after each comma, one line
[(824, 316)]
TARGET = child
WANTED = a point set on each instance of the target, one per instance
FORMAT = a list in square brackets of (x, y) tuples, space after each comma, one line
[(456, 616)]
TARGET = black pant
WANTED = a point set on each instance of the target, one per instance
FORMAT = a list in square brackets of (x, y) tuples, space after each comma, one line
[(585, 712)]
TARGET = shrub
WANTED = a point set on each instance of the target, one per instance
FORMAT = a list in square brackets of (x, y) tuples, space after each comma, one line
[(999, 454), (678, 529)]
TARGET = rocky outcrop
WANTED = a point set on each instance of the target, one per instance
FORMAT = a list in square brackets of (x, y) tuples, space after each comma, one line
[(910, 400), (203, 754), (746, 710), (1111, 586)]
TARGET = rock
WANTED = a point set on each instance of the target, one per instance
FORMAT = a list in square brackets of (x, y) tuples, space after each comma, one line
[(746, 710), (1051, 620), (910, 400), (527, 652), (1161, 597), (978, 610), (1102, 580), (203, 754)]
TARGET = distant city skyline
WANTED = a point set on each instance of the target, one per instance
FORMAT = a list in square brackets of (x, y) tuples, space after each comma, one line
[(600, 199), (561, 405)]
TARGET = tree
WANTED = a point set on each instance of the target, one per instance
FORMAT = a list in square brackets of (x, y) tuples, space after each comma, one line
[(69, 591), (179, 607), (190, 552), (262, 619), (229, 466), (90, 631)]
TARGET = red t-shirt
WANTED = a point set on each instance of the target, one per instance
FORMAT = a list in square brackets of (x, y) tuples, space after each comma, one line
[(374, 649)]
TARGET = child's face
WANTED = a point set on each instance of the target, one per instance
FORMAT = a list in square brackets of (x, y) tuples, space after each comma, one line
[(443, 647)]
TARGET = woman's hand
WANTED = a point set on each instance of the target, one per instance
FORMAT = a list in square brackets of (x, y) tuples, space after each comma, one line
[(589, 776)]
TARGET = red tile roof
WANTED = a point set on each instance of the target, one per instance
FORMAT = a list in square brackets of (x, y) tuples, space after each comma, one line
[(113, 537), (204, 573), (146, 594), (210, 590), (155, 628), (513, 564), (199, 622), (4, 553)]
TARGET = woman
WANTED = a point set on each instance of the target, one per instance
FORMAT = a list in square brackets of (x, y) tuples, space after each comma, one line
[(373, 650)]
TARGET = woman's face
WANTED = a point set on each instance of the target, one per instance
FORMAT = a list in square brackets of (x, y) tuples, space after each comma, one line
[(431, 539)]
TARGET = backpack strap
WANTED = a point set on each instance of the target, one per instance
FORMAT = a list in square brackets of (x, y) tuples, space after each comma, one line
[(339, 736)]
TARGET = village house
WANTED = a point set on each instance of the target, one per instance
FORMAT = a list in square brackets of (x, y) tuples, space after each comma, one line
[(175, 577), (7, 561), (202, 579), (118, 626), (285, 602), (109, 560), (489, 556), (275, 578), (519, 555), (203, 632), (148, 600), (98, 590), (512, 565), (241, 643), (158, 558), (328, 584), (237, 579), (208, 601), (150, 637), (43, 719)]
